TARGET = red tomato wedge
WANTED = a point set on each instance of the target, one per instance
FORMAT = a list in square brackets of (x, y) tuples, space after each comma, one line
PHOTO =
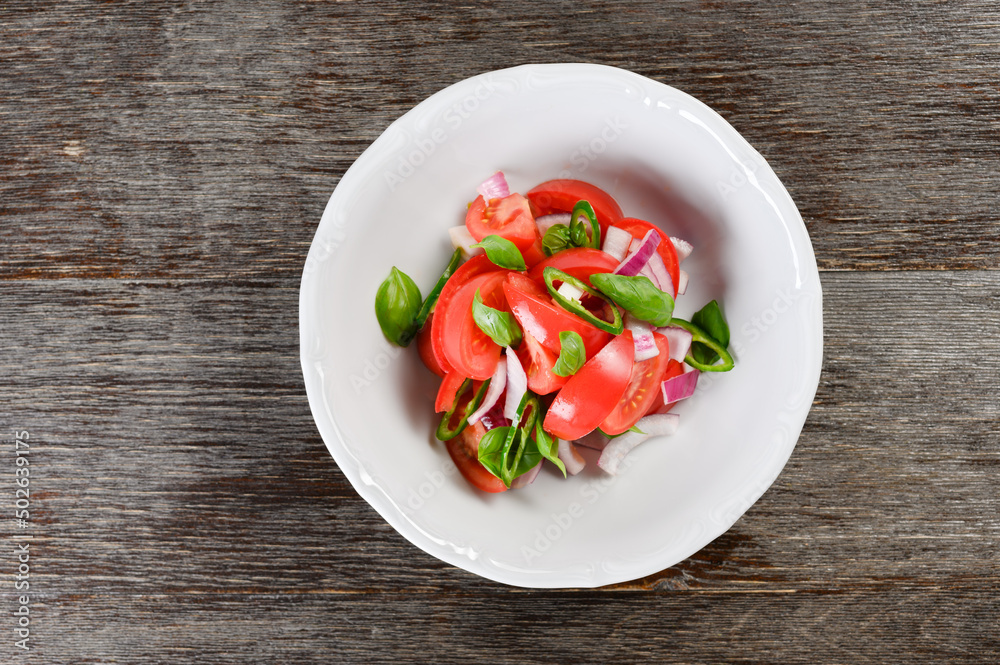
[(561, 195), (477, 265), (643, 387), (464, 451), (509, 217), (665, 249), (539, 316), (447, 391), (593, 392), (468, 349), (580, 262), (538, 363), (426, 348), (674, 368)]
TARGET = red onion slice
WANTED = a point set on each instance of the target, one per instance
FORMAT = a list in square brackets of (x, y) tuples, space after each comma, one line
[(494, 187), (571, 459), (493, 393), (679, 340), (595, 440), (616, 242), (642, 338), (660, 424), (546, 222), (526, 478), (463, 240), (682, 283), (494, 418), (683, 248), (517, 385), (663, 280), (631, 266), (679, 387)]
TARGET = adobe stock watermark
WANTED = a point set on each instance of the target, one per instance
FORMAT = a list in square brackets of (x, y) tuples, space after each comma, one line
[(433, 481), (373, 367), (738, 177), (561, 523), (451, 119), (587, 153)]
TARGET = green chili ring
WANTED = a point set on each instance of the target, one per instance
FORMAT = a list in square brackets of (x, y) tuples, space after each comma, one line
[(699, 335), (585, 210), (432, 297), (444, 433), (551, 274)]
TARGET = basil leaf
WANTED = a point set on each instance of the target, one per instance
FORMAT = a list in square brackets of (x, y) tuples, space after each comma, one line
[(548, 446), (638, 295), (397, 304), (710, 319), (556, 239), (491, 450), (501, 327), (572, 354), (502, 252)]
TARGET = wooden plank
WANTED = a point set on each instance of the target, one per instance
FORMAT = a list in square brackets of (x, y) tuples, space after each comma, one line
[(185, 143)]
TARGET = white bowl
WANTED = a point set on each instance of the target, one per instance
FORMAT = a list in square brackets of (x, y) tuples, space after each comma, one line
[(667, 158)]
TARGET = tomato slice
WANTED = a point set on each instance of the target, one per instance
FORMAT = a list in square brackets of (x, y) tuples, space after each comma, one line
[(509, 217), (468, 349), (426, 348), (580, 262), (464, 451), (674, 368), (561, 195), (593, 392), (544, 320), (538, 362), (477, 265), (447, 391), (643, 387), (638, 228)]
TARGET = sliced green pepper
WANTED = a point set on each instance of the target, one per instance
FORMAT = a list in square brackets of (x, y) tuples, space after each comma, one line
[(582, 216), (425, 309), (444, 431), (699, 335), (551, 274)]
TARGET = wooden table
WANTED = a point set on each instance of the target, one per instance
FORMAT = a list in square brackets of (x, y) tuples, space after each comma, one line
[(164, 167)]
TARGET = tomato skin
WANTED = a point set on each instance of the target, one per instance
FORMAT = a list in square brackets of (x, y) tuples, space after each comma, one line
[(509, 218), (643, 387), (638, 229), (555, 196), (477, 265), (538, 315), (580, 262), (464, 451), (426, 349), (538, 363), (593, 392), (468, 349), (447, 391), (674, 368)]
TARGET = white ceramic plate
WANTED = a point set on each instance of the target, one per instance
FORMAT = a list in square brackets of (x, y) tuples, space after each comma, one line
[(667, 158)]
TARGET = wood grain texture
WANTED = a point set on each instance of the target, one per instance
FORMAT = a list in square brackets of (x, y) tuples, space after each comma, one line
[(163, 167)]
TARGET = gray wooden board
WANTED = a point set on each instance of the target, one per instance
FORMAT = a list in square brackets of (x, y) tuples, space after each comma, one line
[(163, 167)]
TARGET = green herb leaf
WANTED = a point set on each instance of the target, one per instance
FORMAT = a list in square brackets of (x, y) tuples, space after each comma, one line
[(556, 239), (638, 295), (572, 354), (548, 446), (710, 319), (501, 327), (502, 252), (491, 450), (397, 304)]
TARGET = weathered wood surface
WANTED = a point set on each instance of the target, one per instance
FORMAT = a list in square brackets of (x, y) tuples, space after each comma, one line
[(162, 170)]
